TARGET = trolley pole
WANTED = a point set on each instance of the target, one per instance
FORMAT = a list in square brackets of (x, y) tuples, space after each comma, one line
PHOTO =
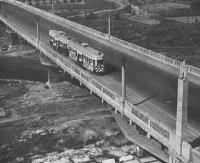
[(109, 28), (38, 32), (52, 6), (3, 9)]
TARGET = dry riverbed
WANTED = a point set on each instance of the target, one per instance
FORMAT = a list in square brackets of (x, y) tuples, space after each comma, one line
[(65, 123)]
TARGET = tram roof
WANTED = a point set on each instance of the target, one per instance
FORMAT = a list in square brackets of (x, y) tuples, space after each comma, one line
[(64, 38), (55, 33), (86, 50), (81, 47)]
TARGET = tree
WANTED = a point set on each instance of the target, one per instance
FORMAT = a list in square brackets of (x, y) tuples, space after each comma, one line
[(195, 6), (117, 15)]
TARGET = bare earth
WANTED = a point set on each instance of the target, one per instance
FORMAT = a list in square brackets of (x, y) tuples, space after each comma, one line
[(65, 122)]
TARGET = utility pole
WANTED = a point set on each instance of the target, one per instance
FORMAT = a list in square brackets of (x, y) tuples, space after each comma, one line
[(123, 82), (52, 6), (109, 28), (38, 32)]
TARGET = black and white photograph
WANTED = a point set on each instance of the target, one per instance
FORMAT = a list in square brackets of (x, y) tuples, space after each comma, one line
[(99, 81)]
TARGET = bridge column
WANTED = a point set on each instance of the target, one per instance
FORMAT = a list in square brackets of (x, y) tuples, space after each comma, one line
[(123, 82), (182, 106), (13, 38), (130, 122), (3, 9), (52, 76), (172, 159), (139, 151), (38, 31), (83, 2), (52, 7)]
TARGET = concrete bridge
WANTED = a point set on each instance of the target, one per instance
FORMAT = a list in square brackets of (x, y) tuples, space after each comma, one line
[(172, 131)]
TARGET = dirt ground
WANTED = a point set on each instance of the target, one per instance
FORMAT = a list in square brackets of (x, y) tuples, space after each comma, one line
[(64, 122)]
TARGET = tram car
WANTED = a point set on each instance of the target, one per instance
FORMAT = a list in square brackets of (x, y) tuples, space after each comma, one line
[(84, 55)]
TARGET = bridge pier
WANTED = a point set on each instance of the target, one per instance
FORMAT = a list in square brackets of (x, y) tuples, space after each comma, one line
[(130, 122), (139, 151), (13, 37), (52, 76), (148, 135), (123, 83)]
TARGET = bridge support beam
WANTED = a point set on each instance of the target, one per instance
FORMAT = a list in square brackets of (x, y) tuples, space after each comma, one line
[(123, 82), (52, 76), (182, 106)]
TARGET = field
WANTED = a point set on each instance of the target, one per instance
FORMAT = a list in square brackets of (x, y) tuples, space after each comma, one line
[(171, 38), (67, 10)]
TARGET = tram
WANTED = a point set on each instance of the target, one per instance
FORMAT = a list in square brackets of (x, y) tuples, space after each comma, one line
[(84, 55)]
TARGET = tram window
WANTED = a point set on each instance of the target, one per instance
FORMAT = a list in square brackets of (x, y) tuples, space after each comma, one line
[(91, 61), (100, 62)]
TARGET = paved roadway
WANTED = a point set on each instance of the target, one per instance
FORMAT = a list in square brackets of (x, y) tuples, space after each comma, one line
[(143, 79)]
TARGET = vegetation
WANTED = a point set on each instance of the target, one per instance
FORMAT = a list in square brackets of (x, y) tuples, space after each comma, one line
[(195, 6), (176, 40)]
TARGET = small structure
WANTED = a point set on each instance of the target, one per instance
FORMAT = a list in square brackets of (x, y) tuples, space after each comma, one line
[(126, 158), (138, 11), (2, 112), (109, 161)]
